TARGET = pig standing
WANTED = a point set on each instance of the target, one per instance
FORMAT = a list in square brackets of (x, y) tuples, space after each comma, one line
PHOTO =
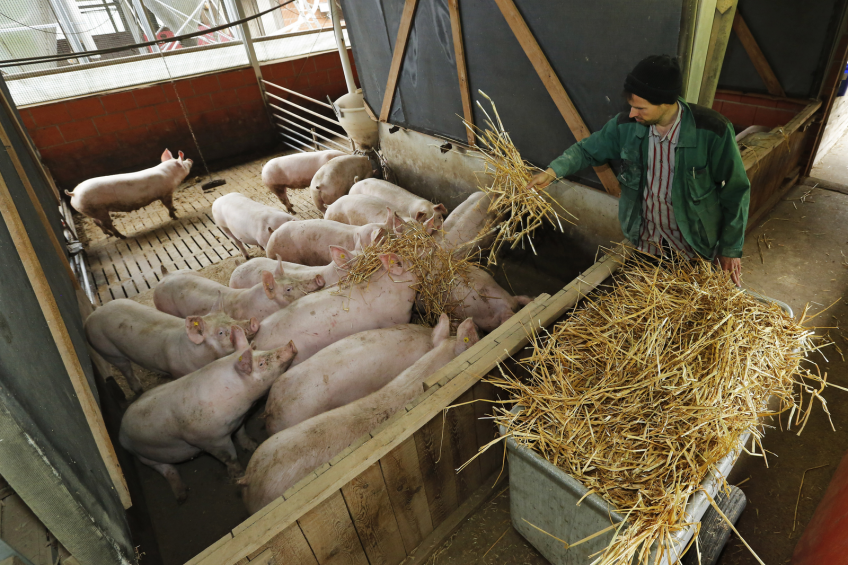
[(186, 293), (176, 421), (325, 317), (343, 372), (485, 301), (467, 222), (249, 274), (124, 331), (401, 200), (287, 456), (334, 179), (294, 171), (308, 242), (130, 191), (246, 221)]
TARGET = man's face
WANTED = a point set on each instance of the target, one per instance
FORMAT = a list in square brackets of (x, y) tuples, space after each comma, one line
[(644, 112)]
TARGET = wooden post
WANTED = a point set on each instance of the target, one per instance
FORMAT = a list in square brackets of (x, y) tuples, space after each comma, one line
[(756, 55), (62, 339), (461, 70), (700, 44), (397, 57), (553, 85), (722, 26)]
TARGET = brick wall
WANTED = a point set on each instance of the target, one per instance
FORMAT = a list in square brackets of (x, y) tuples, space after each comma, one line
[(745, 110), (126, 131)]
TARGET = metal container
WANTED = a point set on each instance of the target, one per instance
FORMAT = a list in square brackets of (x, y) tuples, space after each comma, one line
[(543, 503)]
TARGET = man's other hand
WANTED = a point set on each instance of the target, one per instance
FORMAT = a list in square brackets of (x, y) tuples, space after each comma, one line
[(734, 266), (542, 180)]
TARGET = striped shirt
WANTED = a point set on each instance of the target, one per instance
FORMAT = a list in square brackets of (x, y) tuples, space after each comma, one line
[(658, 222)]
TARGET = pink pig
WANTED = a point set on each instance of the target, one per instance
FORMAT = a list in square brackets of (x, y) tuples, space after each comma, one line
[(294, 171), (249, 274), (176, 421), (401, 200), (289, 455), (333, 180), (130, 191), (246, 221), (468, 221), (485, 301)]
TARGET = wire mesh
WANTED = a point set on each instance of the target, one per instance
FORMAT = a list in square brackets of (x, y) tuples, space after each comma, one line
[(73, 28)]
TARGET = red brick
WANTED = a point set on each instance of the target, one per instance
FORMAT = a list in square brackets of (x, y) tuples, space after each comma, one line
[(27, 120), (85, 108), (319, 79), (786, 105), (135, 136), (142, 116), (50, 114), (337, 76), (728, 96), (249, 93), (224, 98), (717, 104), (57, 155), (305, 66), (185, 88), (118, 102), (78, 130), (45, 137), (168, 127), (205, 84), (198, 104), (104, 144), (279, 71), (328, 61), (110, 123), (756, 101), (212, 120), (170, 110), (739, 114), (772, 117), (149, 96)]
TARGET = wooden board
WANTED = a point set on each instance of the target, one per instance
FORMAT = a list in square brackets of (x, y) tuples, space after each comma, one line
[(397, 57), (461, 71), (405, 485), (435, 455), (554, 86), (461, 425), (486, 430), (289, 546), (759, 60), (331, 535), (719, 35), (368, 503)]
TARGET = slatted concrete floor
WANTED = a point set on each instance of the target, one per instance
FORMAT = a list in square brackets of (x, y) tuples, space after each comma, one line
[(124, 268)]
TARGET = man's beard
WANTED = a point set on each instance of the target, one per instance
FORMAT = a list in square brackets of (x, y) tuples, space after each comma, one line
[(649, 123)]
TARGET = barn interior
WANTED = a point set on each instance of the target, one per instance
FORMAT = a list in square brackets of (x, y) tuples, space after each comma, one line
[(93, 90)]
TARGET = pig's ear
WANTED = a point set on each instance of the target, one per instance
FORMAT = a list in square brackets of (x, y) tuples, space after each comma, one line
[(166, 156), (398, 225), (269, 284), (270, 230), (392, 263), (253, 326), (355, 179), (195, 327), (374, 172), (390, 218), (377, 235), (430, 225), (420, 217), (181, 154), (244, 363), (466, 336), (319, 281), (442, 330), (238, 339), (523, 300), (280, 272), (341, 256), (440, 209)]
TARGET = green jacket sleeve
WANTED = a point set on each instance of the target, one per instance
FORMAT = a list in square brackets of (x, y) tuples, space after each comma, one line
[(726, 165), (591, 151)]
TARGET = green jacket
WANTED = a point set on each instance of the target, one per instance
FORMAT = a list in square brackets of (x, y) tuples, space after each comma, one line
[(710, 191)]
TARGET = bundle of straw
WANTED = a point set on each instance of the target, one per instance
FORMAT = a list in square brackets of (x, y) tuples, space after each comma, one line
[(438, 271), (646, 387), (519, 211)]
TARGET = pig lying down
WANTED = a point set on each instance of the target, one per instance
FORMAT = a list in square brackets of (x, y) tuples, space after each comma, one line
[(287, 456), (343, 372), (249, 274), (308, 242), (186, 293), (124, 331), (333, 180), (294, 171), (246, 221), (97, 197), (401, 200), (176, 421)]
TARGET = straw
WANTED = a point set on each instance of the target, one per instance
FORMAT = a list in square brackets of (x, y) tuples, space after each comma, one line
[(645, 387), (518, 212)]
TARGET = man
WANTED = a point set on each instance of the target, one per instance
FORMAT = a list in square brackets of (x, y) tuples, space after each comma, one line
[(683, 184)]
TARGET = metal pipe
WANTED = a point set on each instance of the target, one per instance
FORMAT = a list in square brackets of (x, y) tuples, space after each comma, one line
[(313, 132), (299, 94), (301, 118), (290, 145), (325, 118), (296, 134), (340, 43), (145, 23)]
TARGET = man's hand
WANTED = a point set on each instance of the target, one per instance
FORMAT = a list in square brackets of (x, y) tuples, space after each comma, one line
[(734, 266), (542, 180)]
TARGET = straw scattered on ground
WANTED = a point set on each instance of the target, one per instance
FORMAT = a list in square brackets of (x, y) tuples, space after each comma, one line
[(519, 211), (646, 387), (438, 270)]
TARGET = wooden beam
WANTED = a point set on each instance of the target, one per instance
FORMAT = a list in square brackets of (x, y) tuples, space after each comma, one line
[(700, 45), (756, 55), (461, 70), (553, 85), (397, 57), (719, 35), (56, 324)]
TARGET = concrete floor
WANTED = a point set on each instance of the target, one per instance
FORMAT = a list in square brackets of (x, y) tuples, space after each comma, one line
[(802, 263)]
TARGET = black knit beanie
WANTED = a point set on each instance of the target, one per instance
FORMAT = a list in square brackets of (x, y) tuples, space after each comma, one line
[(657, 79)]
